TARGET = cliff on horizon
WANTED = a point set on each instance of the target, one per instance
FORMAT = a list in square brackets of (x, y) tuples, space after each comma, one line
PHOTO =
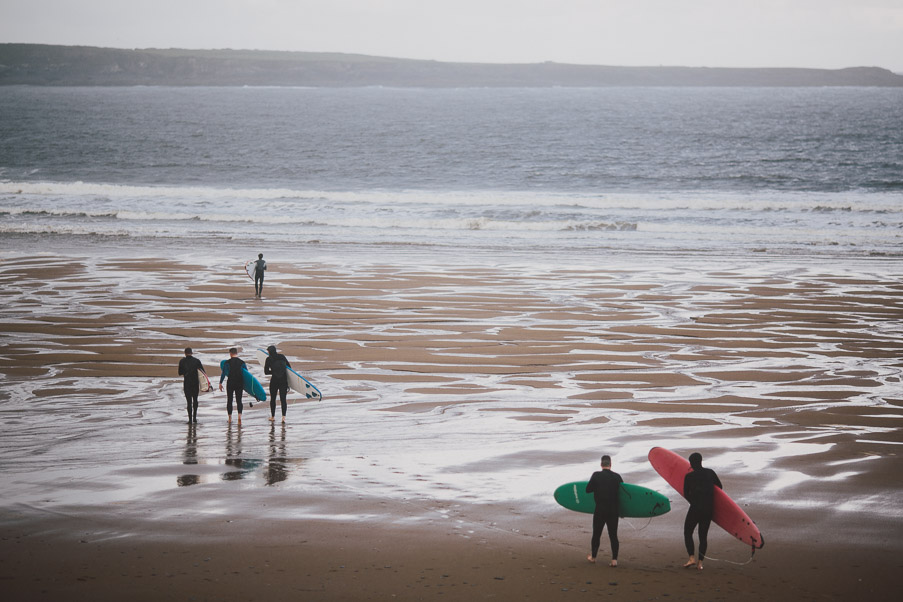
[(46, 65)]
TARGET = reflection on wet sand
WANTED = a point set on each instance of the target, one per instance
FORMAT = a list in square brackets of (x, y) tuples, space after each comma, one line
[(233, 456), (277, 469), (467, 387), (274, 469), (190, 457)]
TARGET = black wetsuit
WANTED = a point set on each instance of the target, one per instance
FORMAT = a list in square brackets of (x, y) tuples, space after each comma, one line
[(604, 485), (277, 366), (235, 386), (699, 489), (188, 368), (260, 267)]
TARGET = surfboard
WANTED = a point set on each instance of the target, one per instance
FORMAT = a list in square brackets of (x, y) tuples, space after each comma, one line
[(252, 385), (727, 514), (203, 382), (634, 501), (296, 382), (250, 267)]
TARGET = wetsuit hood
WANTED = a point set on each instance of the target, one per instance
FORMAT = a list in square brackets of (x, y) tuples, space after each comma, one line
[(271, 350), (696, 460)]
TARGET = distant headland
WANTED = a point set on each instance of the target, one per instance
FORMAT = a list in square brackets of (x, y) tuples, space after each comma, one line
[(46, 65)]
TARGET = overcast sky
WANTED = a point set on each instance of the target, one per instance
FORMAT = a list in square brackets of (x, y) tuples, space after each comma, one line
[(715, 33)]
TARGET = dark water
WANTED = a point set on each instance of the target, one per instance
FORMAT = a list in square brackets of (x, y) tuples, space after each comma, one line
[(673, 167), (588, 140)]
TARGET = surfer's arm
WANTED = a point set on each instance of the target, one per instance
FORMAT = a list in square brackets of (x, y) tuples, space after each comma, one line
[(717, 480), (267, 367), (181, 368)]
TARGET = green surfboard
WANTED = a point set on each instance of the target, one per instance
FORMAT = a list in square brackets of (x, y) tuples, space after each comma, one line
[(635, 501)]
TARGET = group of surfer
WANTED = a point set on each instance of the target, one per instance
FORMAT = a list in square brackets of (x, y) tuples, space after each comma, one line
[(699, 490), (276, 365), (699, 484)]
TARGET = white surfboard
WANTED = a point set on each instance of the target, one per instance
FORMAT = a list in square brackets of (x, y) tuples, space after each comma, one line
[(203, 382), (296, 382), (250, 267)]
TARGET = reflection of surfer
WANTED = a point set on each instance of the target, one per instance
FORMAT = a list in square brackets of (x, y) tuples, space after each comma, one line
[(277, 366), (191, 457), (260, 267), (188, 368), (699, 489), (233, 457), (236, 384), (604, 486), (276, 471)]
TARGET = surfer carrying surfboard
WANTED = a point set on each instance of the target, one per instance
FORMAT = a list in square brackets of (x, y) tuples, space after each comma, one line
[(260, 267), (235, 385), (699, 489), (188, 369), (604, 486), (277, 366)]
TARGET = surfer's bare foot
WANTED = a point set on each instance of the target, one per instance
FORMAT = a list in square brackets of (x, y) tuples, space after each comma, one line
[(613, 562), (699, 565), (272, 418), (690, 562), (590, 558), (283, 419), (230, 419)]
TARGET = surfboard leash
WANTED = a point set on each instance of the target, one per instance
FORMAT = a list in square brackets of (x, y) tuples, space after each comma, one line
[(751, 556), (648, 522)]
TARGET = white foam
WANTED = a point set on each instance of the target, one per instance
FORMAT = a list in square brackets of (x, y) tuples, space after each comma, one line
[(570, 222)]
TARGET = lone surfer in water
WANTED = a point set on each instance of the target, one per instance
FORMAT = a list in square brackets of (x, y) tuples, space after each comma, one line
[(604, 485), (699, 489), (260, 267), (188, 369), (236, 384), (277, 366)]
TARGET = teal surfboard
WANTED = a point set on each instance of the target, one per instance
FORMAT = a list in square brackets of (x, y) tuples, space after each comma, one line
[(635, 501), (252, 385)]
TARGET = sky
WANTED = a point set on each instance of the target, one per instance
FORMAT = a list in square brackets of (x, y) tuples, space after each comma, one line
[(828, 34)]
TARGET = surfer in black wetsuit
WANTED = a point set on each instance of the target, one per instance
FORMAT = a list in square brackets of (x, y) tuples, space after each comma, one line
[(277, 366), (235, 386), (188, 369), (260, 267), (699, 489), (604, 485)]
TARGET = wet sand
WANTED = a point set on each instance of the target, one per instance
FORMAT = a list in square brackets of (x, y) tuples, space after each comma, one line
[(456, 400)]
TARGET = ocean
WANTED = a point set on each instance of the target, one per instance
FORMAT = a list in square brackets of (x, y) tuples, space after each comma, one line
[(552, 172)]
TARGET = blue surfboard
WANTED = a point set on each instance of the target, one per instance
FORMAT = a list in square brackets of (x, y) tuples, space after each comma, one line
[(252, 385)]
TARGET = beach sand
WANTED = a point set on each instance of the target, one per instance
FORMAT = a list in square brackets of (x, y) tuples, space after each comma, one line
[(455, 400)]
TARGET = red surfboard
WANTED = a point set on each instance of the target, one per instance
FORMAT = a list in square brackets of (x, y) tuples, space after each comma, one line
[(728, 515)]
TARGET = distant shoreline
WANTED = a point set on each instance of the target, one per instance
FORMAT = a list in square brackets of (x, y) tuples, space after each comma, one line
[(48, 65)]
